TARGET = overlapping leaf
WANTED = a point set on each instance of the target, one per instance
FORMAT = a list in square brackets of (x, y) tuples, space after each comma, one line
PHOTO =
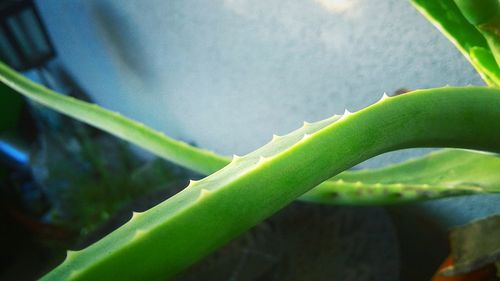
[(447, 17)]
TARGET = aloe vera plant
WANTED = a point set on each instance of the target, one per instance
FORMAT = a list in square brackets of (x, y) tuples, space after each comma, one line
[(254, 186), (210, 212), (235, 196), (207, 162)]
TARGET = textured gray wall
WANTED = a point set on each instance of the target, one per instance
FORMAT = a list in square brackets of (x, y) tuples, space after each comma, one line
[(227, 74)]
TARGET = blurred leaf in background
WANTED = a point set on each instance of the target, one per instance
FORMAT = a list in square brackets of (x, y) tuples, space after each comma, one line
[(10, 108)]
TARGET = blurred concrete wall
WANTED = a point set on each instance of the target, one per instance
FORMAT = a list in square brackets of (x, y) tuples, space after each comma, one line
[(227, 74)]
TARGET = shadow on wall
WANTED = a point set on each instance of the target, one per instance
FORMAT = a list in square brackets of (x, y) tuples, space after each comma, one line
[(126, 53)]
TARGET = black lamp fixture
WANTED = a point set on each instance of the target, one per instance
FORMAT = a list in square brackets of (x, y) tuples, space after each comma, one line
[(24, 42)]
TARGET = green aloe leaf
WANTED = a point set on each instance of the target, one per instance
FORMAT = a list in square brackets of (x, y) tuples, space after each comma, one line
[(181, 153), (167, 238), (448, 172), (485, 16), (448, 18)]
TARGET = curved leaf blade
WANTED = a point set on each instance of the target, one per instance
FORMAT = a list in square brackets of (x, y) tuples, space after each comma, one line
[(445, 173)]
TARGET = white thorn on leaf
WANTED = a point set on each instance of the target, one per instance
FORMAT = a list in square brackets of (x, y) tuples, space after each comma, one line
[(192, 182), (346, 114), (305, 124), (305, 137), (276, 137), (136, 215), (384, 97), (235, 157), (261, 160)]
